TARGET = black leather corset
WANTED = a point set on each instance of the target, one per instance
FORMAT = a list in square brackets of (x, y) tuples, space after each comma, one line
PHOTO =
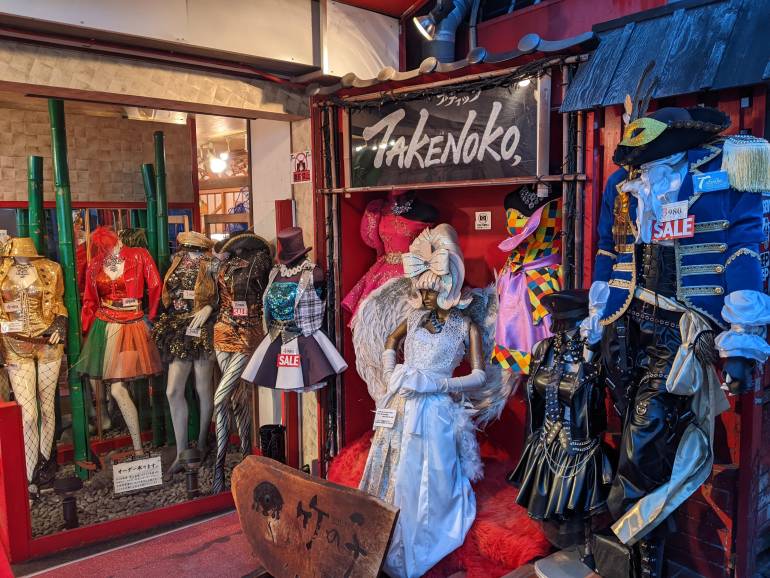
[(656, 268)]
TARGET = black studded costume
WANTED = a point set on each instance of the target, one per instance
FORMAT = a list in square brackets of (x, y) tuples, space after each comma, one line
[(564, 472)]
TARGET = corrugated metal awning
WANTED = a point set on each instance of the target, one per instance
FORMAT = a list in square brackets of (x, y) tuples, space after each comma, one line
[(696, 45)]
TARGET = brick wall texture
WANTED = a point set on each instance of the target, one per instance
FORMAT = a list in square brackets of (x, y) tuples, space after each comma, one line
[(105, 156)]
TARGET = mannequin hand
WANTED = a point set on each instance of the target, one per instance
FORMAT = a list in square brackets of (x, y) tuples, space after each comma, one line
[(55, 338), (738, 373), (420, 388), (201, 316)]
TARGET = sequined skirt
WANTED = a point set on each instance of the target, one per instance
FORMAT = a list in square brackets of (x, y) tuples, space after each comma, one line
[(169, 334)]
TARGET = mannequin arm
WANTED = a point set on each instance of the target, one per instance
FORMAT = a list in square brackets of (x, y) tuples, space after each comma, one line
[(201, 317)]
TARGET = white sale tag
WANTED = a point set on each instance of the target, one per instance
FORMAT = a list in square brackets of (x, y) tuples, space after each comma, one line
[(188, 294), (674, 211), (193, 331), (240, 309), (12, 307), (129, 302), (11, 326), (385, 418)]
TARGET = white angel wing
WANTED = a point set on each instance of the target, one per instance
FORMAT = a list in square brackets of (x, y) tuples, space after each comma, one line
[(488, 402), (377, 316)]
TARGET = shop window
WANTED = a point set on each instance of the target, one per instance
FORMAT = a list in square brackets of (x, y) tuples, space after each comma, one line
[(493, 8)]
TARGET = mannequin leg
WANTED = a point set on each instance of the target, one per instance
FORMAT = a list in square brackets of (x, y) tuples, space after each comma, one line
[(130, 415), (232, 365), (204, 368), (101, 400), (23, 379), (47, 378), (242, 411), (178, 372)]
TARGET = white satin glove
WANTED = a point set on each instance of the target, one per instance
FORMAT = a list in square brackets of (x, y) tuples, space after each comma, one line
[(200, 317), (471, 382), (388, 364)]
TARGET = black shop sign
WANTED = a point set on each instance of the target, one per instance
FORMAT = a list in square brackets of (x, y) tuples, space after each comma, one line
[(462, 136)]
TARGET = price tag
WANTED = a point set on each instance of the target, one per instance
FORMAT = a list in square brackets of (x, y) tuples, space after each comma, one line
[(12, 307), (240, 309), (678, 229), (129, 302), (11, 326), (483, 220), (712, 181), (193, 331), (385, 418), (288, 360), (674, 211), (188, 294)]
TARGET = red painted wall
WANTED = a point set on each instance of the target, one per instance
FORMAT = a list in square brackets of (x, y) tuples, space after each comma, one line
[(555, 20)]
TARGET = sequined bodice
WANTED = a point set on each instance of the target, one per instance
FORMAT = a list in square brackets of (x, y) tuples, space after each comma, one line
[(111, 289), (25, 305), (545, 240), (397, 232), (184, 278), (436, 352), (280, 300)]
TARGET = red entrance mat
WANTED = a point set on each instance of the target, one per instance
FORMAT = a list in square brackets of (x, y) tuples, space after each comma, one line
[(213, 547)]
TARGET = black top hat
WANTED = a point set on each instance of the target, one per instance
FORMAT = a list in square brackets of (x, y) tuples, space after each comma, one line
[(674, 130), (247, 241), (567, 308), (291, 245)]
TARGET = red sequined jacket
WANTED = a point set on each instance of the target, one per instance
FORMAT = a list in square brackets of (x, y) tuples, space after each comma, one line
[(120, 300)]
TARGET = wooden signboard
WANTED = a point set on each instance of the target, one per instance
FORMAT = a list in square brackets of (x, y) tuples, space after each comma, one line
[(302, 526)]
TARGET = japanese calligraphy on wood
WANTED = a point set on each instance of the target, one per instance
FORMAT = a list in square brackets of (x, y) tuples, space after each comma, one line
[(298, 525), (484, 134)]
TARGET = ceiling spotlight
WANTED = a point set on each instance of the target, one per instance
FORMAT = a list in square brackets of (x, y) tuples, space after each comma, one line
[(525, 82), (224, 156), (426, 24), (217, 165)]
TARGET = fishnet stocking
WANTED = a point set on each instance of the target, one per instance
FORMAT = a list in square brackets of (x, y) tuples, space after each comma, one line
[(29, 386)]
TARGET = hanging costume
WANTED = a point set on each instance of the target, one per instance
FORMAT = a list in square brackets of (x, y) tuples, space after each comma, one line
[(293, 315), (656, 303), (241, 281), (533, 269), (384, 228), (30, 315)]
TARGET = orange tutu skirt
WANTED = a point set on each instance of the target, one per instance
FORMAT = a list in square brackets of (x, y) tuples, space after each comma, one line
[(119, 352)]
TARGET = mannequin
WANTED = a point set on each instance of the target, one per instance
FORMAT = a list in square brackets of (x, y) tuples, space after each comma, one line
[(34, 326), (293, 315), (241, 280), (532, 270), (658, 301), (389, 226), (564, 473), (188, 296), (119, 347)]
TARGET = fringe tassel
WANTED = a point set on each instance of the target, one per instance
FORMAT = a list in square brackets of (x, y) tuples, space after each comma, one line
[(746, 159)]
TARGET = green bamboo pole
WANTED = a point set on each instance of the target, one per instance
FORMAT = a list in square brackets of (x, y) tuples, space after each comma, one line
[(37, 229), (67, 259), (143, 219), (22, 223), (162, 214), (148, 177)]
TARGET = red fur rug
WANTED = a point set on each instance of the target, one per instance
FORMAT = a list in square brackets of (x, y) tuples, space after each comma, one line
[(501, 539)]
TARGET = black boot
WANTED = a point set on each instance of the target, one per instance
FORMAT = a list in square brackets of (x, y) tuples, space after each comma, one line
[(651, 558)]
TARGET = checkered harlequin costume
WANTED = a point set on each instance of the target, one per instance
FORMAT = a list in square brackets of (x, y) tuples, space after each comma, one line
[(532, 271)]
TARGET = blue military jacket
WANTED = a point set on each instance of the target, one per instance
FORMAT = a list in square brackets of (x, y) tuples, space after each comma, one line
[(722, 257)]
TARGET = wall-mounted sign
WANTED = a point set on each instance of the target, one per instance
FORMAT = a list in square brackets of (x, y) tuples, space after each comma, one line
[(300, 167), (487, 134), (137, 475)]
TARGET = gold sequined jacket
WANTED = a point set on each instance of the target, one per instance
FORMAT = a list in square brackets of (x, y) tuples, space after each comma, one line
[(205, 285), (50, 275)]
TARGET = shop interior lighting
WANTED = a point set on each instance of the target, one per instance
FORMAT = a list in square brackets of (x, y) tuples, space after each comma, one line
[(525, 82)]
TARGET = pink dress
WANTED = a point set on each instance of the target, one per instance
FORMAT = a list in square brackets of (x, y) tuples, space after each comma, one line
[(391, 236)]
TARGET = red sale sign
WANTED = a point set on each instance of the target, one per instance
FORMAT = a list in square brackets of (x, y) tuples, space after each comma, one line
[(676, 229), (288, 360)]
